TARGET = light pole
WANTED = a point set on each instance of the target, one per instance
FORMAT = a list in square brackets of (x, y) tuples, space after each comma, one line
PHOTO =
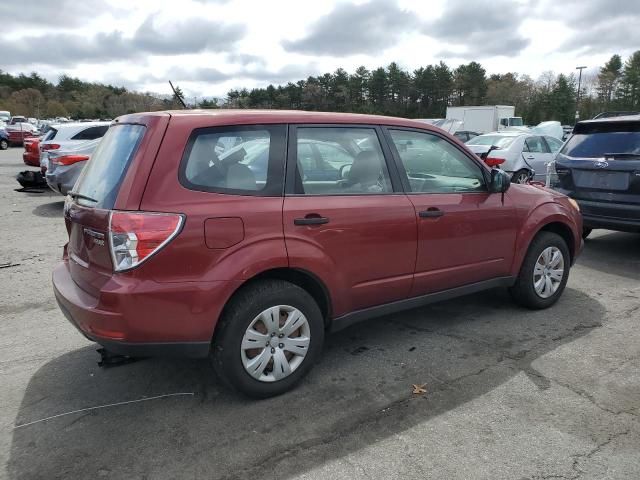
[(578, 97)]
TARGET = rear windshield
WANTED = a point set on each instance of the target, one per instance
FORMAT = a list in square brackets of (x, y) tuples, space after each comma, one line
[(606, 139), (497, 140), (50, 135), (100, 180)]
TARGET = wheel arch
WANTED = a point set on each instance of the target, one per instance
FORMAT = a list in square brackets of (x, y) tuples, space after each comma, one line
[(549, 217), (302, 278), (564, 231)]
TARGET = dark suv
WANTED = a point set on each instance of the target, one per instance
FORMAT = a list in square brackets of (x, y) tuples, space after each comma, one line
[(599, 166), (245, 235)]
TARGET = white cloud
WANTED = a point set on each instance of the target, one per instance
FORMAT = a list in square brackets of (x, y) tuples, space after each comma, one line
[(211, 46)]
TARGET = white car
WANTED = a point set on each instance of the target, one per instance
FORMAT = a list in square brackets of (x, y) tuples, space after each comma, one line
[(61, 136), (518, 153)]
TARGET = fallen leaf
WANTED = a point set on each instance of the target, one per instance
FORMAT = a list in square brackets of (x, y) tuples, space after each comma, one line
[(419, 389)]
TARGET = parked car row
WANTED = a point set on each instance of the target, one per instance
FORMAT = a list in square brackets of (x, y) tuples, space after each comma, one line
[(62, 151), (598, 165), (523, 155)]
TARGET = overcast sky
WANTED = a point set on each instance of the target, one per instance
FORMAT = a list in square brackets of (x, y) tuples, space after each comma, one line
[(211, 46)]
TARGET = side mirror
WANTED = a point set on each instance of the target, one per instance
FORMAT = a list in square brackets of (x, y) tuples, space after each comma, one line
[(344, 171), (500, 181)]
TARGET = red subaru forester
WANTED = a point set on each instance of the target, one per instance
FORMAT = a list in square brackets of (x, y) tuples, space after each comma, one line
[(245, 235)]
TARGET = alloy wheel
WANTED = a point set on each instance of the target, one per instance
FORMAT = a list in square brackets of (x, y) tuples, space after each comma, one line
[(548, 272), (275, 343)]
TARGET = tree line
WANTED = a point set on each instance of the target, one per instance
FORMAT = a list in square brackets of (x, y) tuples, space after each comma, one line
[(422, 93)]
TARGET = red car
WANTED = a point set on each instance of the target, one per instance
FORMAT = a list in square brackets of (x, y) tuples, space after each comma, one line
[(31, 154), (17, 137), (245, 235)]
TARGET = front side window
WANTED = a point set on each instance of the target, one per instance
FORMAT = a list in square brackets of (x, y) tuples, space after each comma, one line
[(433, 165), (344, 161), (241, 160)]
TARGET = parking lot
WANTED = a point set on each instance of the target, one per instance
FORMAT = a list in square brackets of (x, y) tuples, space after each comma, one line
[(510, 393)]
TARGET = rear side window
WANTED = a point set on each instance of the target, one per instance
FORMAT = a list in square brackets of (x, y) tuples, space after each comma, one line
[(599, 140), (554, 144), (241, 160), (100, 180), (91, 133), (535, 145)]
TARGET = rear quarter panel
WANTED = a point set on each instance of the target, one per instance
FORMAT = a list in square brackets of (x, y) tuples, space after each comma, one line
[(190, 256)]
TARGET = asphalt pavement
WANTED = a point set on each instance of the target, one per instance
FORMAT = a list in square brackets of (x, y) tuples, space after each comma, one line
[(508, 393)]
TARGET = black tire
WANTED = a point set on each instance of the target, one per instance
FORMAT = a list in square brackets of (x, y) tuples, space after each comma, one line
[(586, 232), (241, 310), (4, 144), (523, 292), (521, 176)]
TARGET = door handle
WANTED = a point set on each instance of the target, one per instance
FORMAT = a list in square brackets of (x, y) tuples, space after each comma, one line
[(531, 157), (431, 213), (311, 219)]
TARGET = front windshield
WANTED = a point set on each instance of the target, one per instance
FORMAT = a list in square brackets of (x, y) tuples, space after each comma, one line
[(516, 121), (500, 141)]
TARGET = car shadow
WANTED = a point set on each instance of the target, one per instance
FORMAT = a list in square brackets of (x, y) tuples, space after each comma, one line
[(359, 393), (616, 253), (53, 209)]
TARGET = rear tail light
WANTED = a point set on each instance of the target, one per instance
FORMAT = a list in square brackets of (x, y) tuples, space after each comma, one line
[(494, 162), (69, 159), (136, 236), (50, 146)]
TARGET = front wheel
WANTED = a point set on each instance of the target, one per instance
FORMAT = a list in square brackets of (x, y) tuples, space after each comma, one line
[(4, 144), (544, 272), (521, 176), (270, 336)]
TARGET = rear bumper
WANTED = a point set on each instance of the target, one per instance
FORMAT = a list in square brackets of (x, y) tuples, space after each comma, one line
[(618, 224), (132, 317), (611, 216), (62, 178), (31, 159)]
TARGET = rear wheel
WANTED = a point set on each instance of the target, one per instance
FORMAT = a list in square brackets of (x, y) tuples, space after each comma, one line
[(586, 232), (4, 144), (521, 176), (544, 272), (270, 336)]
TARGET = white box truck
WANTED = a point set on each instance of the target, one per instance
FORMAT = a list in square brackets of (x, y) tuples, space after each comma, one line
[(487, 118)]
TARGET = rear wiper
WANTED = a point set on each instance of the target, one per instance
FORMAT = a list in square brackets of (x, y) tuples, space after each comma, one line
[(83, 197), (622, 155)]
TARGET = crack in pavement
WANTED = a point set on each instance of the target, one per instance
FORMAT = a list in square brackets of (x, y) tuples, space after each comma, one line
[(275, 457), (593, 451)]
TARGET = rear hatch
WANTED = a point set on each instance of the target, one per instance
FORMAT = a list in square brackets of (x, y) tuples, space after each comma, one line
[(601, 162), (113, 179)]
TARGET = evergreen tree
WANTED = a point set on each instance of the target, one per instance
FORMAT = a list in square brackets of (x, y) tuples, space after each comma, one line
[(608, 80), (630, 83)]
